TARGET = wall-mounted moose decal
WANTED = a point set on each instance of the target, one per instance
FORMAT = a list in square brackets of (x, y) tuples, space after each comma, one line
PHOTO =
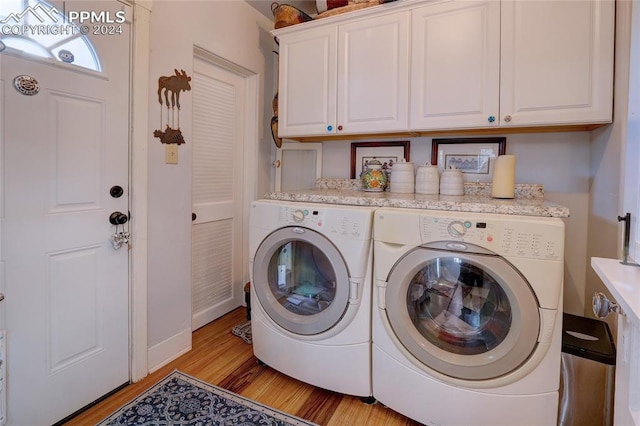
[(170, 86), (173, 84)]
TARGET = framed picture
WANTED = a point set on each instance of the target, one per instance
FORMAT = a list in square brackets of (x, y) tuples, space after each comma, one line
[(385, 152), (473, 156)]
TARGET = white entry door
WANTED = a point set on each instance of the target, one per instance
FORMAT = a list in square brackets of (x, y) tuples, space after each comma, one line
[(66, 309), (217, 188)]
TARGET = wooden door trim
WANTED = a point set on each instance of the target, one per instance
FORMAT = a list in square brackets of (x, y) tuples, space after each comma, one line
[(138, 186)]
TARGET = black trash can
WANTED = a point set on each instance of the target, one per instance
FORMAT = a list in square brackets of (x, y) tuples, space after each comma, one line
[(587, 374)]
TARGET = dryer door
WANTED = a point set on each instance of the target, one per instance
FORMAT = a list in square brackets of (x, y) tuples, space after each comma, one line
[(301, 280), (468, 315)]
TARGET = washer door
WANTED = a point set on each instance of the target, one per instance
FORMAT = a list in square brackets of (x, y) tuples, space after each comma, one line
[(468, 315), (301, 280)]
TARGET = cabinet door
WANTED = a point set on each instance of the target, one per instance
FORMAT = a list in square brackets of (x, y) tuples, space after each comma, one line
[(373, 74), (626, 409), (557, 62), (298, 165), (307, 83), (455, 67)]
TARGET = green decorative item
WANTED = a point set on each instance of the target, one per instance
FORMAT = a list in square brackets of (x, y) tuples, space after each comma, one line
[(373, 177)]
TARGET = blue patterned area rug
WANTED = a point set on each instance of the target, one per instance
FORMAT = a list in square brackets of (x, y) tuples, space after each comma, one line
[(180, 399)]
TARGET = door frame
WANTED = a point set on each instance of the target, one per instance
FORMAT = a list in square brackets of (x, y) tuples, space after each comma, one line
[(247, 80), (138, 186)]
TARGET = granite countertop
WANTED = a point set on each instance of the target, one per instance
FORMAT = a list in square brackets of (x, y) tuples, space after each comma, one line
[(529, 199)]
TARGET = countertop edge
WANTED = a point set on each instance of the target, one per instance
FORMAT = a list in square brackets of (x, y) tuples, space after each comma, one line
[(455, 203)]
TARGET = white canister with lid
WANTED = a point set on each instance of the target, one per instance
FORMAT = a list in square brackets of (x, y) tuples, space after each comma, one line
[(427, 179), (402, 177), (451, 182)]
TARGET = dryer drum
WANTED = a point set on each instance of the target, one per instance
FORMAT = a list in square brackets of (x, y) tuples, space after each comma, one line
[(301, 282)]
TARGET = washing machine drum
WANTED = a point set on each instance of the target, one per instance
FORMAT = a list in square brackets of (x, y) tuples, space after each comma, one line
[(468, 315), (301, 280)]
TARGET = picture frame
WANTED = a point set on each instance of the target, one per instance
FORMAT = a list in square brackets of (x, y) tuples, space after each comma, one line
[(475, 157), (385, 152)]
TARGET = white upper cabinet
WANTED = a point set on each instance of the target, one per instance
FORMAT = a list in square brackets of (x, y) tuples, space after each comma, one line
[(511, 64), (373, 75), (556, 62), (307, 82), (440, 65), (455, 68), (345, 79)]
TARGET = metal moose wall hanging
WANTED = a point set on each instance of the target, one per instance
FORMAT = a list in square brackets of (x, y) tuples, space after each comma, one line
[(170, 87)]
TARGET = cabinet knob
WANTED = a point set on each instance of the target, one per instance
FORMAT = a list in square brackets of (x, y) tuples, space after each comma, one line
[(329, 128), (340, 127), (507, 118), (491, 119), (602, 306)]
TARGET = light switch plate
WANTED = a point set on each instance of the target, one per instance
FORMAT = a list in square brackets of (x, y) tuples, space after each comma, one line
[(171, 153)]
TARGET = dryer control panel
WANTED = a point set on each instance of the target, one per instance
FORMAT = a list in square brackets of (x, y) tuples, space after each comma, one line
[(302, 216), (540, 238)]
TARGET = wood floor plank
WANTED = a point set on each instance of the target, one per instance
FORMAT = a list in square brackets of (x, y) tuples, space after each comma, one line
[(280, 391), (320, 406), (242, 376), (222, 359)]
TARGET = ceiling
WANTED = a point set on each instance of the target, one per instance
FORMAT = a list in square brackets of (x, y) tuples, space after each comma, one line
[(264, 6)]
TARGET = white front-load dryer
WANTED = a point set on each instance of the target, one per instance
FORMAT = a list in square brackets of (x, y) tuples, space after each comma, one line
[(311, 282), (467, 316)]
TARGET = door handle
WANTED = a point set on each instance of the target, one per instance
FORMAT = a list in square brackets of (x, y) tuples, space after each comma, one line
[(119, 239), (627, 231), (118, 218)]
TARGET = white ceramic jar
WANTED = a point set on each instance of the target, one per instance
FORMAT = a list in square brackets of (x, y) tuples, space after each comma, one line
[(402, 178), (427, 179), (451, 182)]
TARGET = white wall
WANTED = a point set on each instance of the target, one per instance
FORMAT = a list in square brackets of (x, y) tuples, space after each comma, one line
[(240, 34), (558, 161)]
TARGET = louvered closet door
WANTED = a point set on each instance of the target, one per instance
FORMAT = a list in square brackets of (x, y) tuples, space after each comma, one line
[(218, 114)]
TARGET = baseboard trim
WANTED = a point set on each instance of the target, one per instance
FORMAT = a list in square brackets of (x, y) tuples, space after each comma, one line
[(164, 352)]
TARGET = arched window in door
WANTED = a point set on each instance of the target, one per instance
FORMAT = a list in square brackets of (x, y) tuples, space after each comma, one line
[(39, 29)]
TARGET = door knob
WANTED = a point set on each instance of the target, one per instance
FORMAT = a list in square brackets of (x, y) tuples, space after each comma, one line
[(118, 218), (602, 306)]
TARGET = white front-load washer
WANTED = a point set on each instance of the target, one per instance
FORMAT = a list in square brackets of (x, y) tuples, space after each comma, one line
[(467, 316), (311, 282)]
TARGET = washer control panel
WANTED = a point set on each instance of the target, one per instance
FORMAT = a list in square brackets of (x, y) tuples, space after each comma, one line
[(342, 224), (516, 237)]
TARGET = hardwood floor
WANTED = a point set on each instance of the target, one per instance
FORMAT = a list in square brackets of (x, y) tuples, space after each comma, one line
[(220, 358)]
